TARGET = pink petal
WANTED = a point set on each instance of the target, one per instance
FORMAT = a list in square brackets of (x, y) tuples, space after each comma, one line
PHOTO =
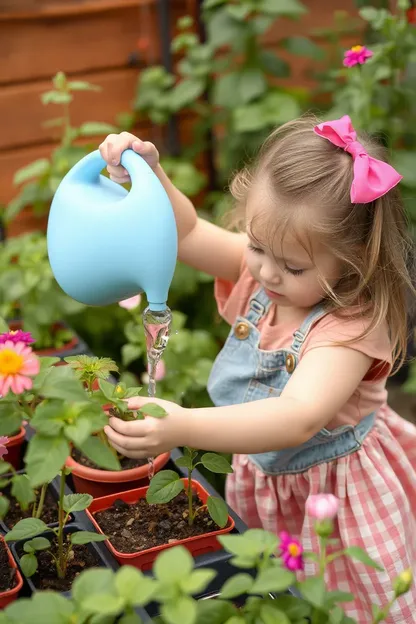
[(131, 303), (5, 384), (31, 366)]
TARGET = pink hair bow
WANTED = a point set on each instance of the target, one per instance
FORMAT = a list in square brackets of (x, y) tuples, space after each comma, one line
[(372, 177)]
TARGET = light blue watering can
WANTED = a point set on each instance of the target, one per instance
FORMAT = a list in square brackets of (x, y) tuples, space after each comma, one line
[(106, 244)]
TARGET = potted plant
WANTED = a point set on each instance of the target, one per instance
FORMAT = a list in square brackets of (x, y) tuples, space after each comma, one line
[(142, 522), (11, 581), (257, 591), (86, 475)]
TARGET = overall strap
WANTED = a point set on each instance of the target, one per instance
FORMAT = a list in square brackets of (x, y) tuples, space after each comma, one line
[(259, 305), (300, 335)]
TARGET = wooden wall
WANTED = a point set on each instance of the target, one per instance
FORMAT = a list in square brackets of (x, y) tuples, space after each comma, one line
[(92, 40)]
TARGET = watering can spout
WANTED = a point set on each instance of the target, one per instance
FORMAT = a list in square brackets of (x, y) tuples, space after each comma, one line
[(106, 244)]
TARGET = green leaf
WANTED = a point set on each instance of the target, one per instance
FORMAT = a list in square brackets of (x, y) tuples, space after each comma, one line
[(151, 409), (164, 486), (273, 580), (82, 85), (214, 611), (313, 590), (134, 587), (96, 128), (36, 169), (4, 467), (4, 506), (103, 603), (218, 510), (92, 581), (270, 615), (184, 462), (333, 597), (130, 353), (48, 418), (182, 611), (197, 581), (236, 619), (56, 97), (37, 543), (293, 607), (10, 419), (357, 553), (45, 458), (292, 9), (77, 502), (49, 607), (186, 92), (86, 537), (23, 491), (273, 64), (251, 84), (62, 383), (226, 90), (302, 46), (216, 463), (26, 529), (236, 586), (29, 564), (99, 453), (170, 561)]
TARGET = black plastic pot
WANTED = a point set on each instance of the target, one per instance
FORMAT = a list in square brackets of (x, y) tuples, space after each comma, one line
[(106, 560)]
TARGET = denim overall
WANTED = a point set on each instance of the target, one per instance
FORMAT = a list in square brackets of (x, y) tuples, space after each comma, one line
[(243, 372)]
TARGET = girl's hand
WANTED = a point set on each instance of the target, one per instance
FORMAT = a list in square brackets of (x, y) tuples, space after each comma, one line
[(115, 144), (140, 439)]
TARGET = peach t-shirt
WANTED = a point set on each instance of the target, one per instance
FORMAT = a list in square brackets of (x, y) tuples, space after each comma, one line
[(233, 300)]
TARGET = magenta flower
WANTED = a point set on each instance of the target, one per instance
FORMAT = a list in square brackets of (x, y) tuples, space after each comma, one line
[(131, 303), (357, 55), (3, 449), (17, 336), (322, 506), (291, 551)]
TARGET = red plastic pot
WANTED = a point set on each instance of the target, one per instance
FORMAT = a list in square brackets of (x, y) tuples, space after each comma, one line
[(14, 448), (197, 545), (100, 483), (10, 595)]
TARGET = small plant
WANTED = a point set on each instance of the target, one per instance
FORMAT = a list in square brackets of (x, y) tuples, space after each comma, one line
[(167, 484), (258, 594), (41, 178)]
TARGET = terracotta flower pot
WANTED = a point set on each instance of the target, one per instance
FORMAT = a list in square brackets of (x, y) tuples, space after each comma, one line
[(14, 448), (6, 597), (197, 545), (103, 482)]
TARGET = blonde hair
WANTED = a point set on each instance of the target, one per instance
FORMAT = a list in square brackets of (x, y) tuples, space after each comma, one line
[(370, 240)]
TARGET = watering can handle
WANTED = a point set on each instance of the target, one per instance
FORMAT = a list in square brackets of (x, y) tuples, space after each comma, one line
[(89, 168)]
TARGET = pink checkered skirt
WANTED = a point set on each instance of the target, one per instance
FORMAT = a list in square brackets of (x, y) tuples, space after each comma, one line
[(377, 490)]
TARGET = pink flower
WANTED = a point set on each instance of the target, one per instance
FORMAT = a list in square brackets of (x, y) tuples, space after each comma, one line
[(130, 304), (3, 449), (17, 336), (17, 364), (322, 506), (357, 55), (291, 551)]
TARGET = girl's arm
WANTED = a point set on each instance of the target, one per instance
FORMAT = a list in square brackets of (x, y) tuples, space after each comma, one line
[(202, 245), (322, 383)]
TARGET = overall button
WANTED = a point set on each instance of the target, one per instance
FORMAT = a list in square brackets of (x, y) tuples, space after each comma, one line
[(241, 331), (290, 363)]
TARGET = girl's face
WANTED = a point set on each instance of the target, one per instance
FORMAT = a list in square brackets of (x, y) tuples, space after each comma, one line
[(289, 271)]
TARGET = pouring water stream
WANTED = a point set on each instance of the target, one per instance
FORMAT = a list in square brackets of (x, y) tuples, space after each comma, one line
[(157, 327)]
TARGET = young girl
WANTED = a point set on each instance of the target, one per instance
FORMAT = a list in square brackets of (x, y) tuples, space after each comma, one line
[(315, 289)]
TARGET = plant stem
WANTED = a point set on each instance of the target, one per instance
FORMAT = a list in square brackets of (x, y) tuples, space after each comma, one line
[(37, 513), (189, 493), (61, 518), (322, 556)]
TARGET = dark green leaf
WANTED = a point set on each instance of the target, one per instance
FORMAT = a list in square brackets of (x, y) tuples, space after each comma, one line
[(302, 46), (86, 537), (214, 611), (10, 419), (357, 553), (49, 417), (44, 458), (164, 486), (313, 590), (100, 453), (29, 564), (273, 580), (293, 9), (226, 90), (23, 491), (4, 506), (270, 615), (25, 529), (274, 65), (218, 510), (62, 383), (251, 84), (186, 92), (152, 409), (77, 502), (216, 463)]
